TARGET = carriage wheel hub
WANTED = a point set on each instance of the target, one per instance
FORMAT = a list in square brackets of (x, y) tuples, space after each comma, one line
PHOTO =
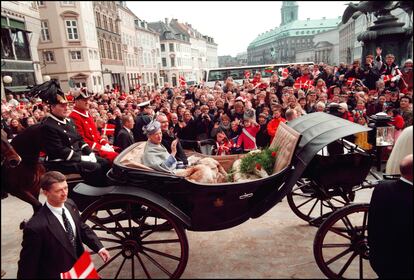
[(130, 248)]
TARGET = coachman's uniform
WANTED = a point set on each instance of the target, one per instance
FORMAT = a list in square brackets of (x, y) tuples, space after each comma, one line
[(86, 127), (64, 148)]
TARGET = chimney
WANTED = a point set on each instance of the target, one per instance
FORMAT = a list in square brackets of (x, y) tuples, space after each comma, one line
[(166, 21)]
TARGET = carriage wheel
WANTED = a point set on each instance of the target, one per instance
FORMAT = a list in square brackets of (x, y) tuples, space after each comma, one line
[(144, 240), (309, 202), (341, 244)]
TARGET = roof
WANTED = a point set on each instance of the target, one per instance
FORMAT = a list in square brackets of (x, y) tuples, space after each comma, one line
[(296, 28), (168, 32)]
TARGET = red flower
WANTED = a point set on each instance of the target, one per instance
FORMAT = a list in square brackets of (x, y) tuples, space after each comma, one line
[(258, 166), (274, 154)]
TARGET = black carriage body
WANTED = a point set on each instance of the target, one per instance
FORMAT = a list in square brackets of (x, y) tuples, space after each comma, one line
[(221, 206), (208, 207)]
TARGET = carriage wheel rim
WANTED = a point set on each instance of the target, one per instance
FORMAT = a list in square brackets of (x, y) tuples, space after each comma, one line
[(131, 241), (358, 243)]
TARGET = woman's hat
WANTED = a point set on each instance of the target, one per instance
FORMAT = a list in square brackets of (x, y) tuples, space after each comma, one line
[(151, 128)]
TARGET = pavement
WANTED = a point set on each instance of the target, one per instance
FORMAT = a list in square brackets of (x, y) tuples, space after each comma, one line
[(275, 245)]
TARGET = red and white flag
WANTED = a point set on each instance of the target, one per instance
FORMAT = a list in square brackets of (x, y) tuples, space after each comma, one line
[(350, 81), (246, 74), (182, 81), (108, 129), (387, 78), (83, 269), (285, 73)]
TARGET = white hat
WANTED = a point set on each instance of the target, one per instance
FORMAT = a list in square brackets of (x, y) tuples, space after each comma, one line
[(144, 104), (344, 106)]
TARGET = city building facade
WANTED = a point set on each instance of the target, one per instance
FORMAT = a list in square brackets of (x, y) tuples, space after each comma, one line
[(19, 57), (68, 45), (279, 45), (109, 41)]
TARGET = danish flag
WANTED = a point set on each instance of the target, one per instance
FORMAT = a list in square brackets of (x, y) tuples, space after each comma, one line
[(350, 81), (182, 81), (285, 73), (83, 269), (108, 129), (387, 78)]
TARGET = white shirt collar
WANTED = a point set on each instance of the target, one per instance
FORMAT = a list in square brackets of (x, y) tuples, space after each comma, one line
[(56, 119), (406, 181), (56, 210), (82, 114)]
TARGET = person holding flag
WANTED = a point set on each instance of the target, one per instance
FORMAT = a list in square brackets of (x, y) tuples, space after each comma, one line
[(53, 238)]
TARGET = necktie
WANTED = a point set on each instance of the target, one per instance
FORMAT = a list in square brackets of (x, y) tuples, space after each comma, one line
[(69, 229)]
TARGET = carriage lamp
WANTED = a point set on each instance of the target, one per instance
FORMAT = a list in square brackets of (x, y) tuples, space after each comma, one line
[(382, 134)]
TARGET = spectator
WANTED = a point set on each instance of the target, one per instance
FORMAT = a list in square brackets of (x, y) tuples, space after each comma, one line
[(262, 137), (142, 120), (390, 225), (125, 137), (223, 146), (274, 123), (406, 109), (247, 139), (15, 128), (53, 238), (407, 74), (402, 147)]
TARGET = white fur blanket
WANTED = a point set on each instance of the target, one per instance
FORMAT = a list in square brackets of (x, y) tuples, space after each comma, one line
[(203, 170)]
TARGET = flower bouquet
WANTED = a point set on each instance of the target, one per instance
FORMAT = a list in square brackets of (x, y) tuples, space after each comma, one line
[(260, 163)]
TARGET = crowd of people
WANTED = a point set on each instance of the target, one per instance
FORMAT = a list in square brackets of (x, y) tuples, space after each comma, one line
[(230, 117)]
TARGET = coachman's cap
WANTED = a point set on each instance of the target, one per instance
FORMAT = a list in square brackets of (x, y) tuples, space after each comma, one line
[(144, 104), (82, 93), (151, 128), (50, 92)]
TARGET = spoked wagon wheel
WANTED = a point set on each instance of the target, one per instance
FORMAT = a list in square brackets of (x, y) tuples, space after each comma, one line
[(144, 240), (341, 244), (309, 201)]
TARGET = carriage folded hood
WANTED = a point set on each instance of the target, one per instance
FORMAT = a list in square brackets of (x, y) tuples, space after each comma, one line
[(318, 130)]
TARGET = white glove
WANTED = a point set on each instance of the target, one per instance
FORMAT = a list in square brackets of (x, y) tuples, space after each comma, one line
[(85, 158), (92, 157), (393, 79), (107, 148)]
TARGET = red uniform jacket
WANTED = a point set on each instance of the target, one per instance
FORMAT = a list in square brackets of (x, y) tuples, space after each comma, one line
[(86, 127)]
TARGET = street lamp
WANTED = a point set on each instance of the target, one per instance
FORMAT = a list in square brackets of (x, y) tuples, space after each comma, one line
[(7, 79), (46, 78)]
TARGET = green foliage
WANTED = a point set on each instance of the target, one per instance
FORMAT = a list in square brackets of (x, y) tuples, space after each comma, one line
[(264, 159)]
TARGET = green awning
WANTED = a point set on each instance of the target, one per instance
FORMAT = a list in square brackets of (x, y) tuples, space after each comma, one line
[(12, 24), (17, 89)]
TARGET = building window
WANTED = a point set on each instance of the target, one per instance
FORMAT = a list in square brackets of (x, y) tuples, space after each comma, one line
[(44, 30), (171, 47), (72, 29), (172, 62), (111, 25), (98, 19), (162, 47), (105, 24), (48, 56), (114, 50), (119, 52), (76, 55), (94, 80), (90, 54), (108, 49), (40, 3), (102, 48), (164, 62), (99, 80)]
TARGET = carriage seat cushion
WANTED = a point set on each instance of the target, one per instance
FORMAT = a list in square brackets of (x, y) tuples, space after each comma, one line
[(286, 138), (134, 157)]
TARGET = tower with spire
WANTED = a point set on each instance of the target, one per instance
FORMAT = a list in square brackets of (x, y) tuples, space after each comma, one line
[(289, 12)]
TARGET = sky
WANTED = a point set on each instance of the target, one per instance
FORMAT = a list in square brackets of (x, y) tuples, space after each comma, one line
[(232, 24)]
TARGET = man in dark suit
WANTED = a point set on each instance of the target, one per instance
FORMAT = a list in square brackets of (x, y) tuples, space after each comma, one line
[(143, 118), (52, 239), (390, 225), (65, 148), (125, 137)]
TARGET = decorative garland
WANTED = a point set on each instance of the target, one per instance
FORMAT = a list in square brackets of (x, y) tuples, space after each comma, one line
[(264, 159)]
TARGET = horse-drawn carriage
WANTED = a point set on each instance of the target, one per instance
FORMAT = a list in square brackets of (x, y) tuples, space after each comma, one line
[(142, 217)]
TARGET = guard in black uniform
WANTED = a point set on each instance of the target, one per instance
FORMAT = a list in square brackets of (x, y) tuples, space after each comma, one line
[(66, 151), (144, 118)]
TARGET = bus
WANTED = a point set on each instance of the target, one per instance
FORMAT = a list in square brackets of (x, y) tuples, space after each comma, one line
[(211, 76)]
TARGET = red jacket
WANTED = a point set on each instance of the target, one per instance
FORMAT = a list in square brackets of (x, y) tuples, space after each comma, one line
[(273, 125), (248, 144), (87, 129), (398, 122)]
